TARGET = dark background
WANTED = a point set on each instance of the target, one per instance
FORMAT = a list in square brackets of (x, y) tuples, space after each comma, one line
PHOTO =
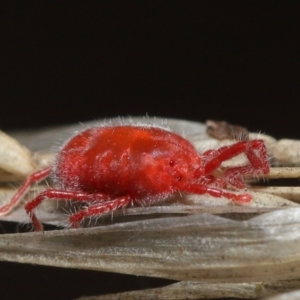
[(72, 61)]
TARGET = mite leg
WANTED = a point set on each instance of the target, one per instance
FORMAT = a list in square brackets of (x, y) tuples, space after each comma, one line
[(59, 195), (99, 209), (256, 153), (215, 192), (33, 178), (216, 181)]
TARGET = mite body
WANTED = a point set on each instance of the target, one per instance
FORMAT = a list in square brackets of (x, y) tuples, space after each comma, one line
[(115, 166)]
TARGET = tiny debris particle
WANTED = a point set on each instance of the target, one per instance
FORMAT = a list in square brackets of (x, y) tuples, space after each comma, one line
[(222, 130)]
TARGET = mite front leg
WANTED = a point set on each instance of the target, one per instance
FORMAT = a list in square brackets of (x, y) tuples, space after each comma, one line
[(215, 192), (256, 153)]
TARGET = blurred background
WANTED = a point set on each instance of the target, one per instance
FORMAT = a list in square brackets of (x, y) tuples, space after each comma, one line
[(67, 62)]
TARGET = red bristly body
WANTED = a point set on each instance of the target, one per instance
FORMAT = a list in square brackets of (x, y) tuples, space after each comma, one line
[(115, 166)]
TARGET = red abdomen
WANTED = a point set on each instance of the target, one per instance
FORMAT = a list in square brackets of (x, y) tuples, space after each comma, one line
[(121, 160)]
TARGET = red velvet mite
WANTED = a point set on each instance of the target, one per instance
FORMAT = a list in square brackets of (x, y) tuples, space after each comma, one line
[(112, 167)]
